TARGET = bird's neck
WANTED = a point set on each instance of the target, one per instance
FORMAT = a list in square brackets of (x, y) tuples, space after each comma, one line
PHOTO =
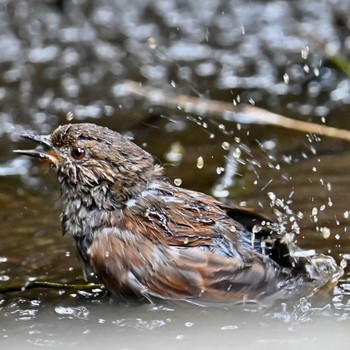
[(80, 203)]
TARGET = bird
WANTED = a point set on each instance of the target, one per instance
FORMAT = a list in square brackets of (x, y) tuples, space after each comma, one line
[(145, 238)]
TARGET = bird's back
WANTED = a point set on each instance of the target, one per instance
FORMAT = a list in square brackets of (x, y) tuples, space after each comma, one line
[(178, 244)]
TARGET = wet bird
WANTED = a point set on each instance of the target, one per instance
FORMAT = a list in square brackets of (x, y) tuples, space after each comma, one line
[(144, 237)]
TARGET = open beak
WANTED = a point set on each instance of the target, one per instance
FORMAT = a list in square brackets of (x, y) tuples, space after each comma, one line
[(44, 151)]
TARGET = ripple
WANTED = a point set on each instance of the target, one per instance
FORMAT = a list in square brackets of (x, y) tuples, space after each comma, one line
[(80, 312)]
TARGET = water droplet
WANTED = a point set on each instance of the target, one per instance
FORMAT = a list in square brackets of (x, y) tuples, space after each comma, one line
[(233, 229), (200, 162), (300, 215), (220, 170), (346, 214), (237, 152), (343, 263), (337, 236), (272, 196), (242, 29), (70, 116), (287, 159), (178, 181), (175, 153), (226, 328), (225, 145), (286, 78), (326, 232), (151, 43), (221, 126), (305, 52)]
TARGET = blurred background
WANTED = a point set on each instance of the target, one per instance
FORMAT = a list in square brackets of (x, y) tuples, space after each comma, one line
[(288, 57)]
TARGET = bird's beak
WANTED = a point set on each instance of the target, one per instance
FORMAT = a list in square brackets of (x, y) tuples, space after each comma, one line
[(44, 151)]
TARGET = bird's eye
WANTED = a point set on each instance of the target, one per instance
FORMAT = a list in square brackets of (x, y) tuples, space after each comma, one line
[(78, 153)]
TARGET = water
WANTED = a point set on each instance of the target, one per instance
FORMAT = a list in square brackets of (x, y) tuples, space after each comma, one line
[(88, 323), (58, 58)]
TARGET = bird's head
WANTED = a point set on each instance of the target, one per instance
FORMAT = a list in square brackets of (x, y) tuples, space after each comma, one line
[(94, 161)]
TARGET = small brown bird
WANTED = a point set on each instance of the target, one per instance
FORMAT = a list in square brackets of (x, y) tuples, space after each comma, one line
[(142, 236)]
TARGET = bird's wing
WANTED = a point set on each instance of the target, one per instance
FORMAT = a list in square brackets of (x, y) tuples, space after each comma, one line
[(176, 217), (180, 217), (129, 263), (179, 245)]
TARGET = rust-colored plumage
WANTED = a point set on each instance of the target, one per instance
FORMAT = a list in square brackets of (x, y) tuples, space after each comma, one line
[(142, 236)]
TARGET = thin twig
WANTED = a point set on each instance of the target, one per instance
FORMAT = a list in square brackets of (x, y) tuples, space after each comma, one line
[(20, 287), (196, 105)]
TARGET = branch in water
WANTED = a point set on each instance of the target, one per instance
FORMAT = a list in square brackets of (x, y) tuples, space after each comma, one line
[(217, 108), (20, 287)]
